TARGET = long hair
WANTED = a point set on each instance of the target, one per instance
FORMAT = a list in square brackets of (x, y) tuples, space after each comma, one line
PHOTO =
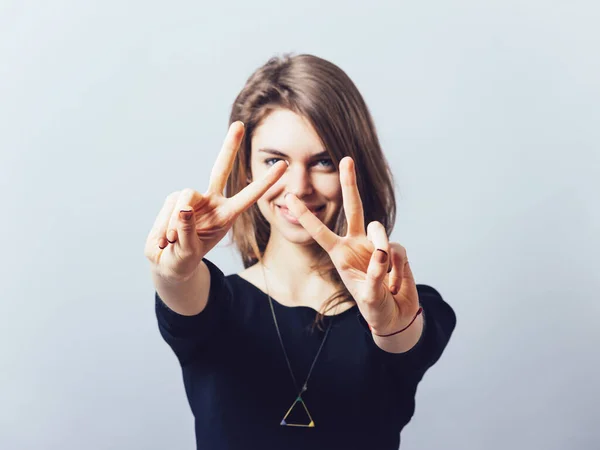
[(321, 92)]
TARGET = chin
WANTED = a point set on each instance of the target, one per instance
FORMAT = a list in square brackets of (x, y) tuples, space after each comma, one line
[(299, 237)]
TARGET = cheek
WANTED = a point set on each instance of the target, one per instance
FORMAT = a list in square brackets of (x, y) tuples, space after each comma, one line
[(264, 208), (265, 201), (272, 192), (332, 192), (258, 171)]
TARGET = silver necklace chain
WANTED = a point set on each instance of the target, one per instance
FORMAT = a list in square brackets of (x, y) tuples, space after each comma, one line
[(305, 385)]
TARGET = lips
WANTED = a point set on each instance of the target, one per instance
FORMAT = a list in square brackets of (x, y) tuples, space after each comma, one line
[(313, 209)]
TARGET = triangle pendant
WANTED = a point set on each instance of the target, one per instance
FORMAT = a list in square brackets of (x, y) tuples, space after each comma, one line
[(297, 416)]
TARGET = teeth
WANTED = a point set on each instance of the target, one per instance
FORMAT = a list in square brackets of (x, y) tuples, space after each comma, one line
[(313, 210)]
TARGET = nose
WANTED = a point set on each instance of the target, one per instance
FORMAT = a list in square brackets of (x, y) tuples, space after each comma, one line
[(298, 181)]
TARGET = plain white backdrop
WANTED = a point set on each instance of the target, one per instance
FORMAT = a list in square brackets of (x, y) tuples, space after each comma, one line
[(488, 112)]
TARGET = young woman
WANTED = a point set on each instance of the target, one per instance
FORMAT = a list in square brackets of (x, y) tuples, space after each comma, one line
[(321, 341)]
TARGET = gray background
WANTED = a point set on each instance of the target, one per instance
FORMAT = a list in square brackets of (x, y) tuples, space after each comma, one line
[(487, 110)]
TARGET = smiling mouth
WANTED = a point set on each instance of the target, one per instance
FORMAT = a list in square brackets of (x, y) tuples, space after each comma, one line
[(313, 210)]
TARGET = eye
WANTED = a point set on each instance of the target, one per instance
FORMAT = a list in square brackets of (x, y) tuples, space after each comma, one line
[(271, 161), (325, 162), (328, 162)]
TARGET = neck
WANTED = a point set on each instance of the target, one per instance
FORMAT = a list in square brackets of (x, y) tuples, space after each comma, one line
[(290, 276), (291, 259)]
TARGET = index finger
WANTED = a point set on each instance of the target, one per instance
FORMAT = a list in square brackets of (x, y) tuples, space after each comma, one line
[(251, 193), (224, 163), (311, 223)]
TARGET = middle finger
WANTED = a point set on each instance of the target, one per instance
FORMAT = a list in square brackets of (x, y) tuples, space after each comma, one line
[(222, 168)]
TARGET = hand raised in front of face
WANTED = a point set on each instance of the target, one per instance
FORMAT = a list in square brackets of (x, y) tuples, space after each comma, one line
[(190, 224), (375, 271)]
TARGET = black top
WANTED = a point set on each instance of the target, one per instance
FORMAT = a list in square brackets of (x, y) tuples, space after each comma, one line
[(238, 383)]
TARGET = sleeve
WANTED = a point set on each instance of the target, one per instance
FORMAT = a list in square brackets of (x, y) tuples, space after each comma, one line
[(188, 336), (439, 324)]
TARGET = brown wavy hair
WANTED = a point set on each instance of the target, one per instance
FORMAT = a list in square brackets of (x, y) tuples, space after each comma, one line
[(321, 92)]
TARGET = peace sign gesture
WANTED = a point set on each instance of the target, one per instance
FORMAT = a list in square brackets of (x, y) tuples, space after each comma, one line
[(387, 302), (193, 223)]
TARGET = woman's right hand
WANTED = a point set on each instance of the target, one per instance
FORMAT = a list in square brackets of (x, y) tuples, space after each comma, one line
[(176, 244)]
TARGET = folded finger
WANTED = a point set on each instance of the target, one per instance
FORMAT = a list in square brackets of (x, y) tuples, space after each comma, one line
[(398, 273), (375, 279), (159, 229), (186, 201)]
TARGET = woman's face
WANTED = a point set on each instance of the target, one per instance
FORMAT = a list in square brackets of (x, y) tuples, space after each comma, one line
[(311, 175)]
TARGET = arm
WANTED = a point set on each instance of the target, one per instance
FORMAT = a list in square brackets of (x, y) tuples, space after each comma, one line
[(196, 314), (437, 323), (404, 341), (187, 297)]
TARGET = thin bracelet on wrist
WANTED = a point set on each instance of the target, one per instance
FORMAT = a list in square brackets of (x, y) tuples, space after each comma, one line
[(399, 331)]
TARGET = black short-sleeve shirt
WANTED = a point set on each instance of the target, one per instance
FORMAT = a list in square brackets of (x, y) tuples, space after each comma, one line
[(238, 383)]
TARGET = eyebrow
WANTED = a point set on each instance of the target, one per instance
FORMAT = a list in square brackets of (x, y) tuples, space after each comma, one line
[(272, 151)]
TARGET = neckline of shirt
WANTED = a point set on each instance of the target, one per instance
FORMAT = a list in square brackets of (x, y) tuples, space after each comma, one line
[(290, 307)]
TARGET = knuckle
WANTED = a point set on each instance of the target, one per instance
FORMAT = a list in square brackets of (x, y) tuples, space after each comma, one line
[(186, 227), (187, 192), (172, 196), (371, 277), (397, 246), (400, 251), (187, 259), (320, 230), (184, 255)]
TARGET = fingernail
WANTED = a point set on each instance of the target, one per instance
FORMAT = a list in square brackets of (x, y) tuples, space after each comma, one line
[(172, 233), (394, 290), (382, 256), (162, 244), (185, 214)]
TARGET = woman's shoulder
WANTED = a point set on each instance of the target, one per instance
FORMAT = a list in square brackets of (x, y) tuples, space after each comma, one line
[(251, 275), (248, 281)]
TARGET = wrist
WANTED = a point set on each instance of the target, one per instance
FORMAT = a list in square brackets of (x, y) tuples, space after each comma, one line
[(403, 341), (397, 328), (175, 279)]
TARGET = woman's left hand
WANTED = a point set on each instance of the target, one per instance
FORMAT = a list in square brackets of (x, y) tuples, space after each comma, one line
[(388, 302)]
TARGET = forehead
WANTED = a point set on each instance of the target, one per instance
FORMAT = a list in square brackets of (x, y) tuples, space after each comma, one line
[(287, 132)]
